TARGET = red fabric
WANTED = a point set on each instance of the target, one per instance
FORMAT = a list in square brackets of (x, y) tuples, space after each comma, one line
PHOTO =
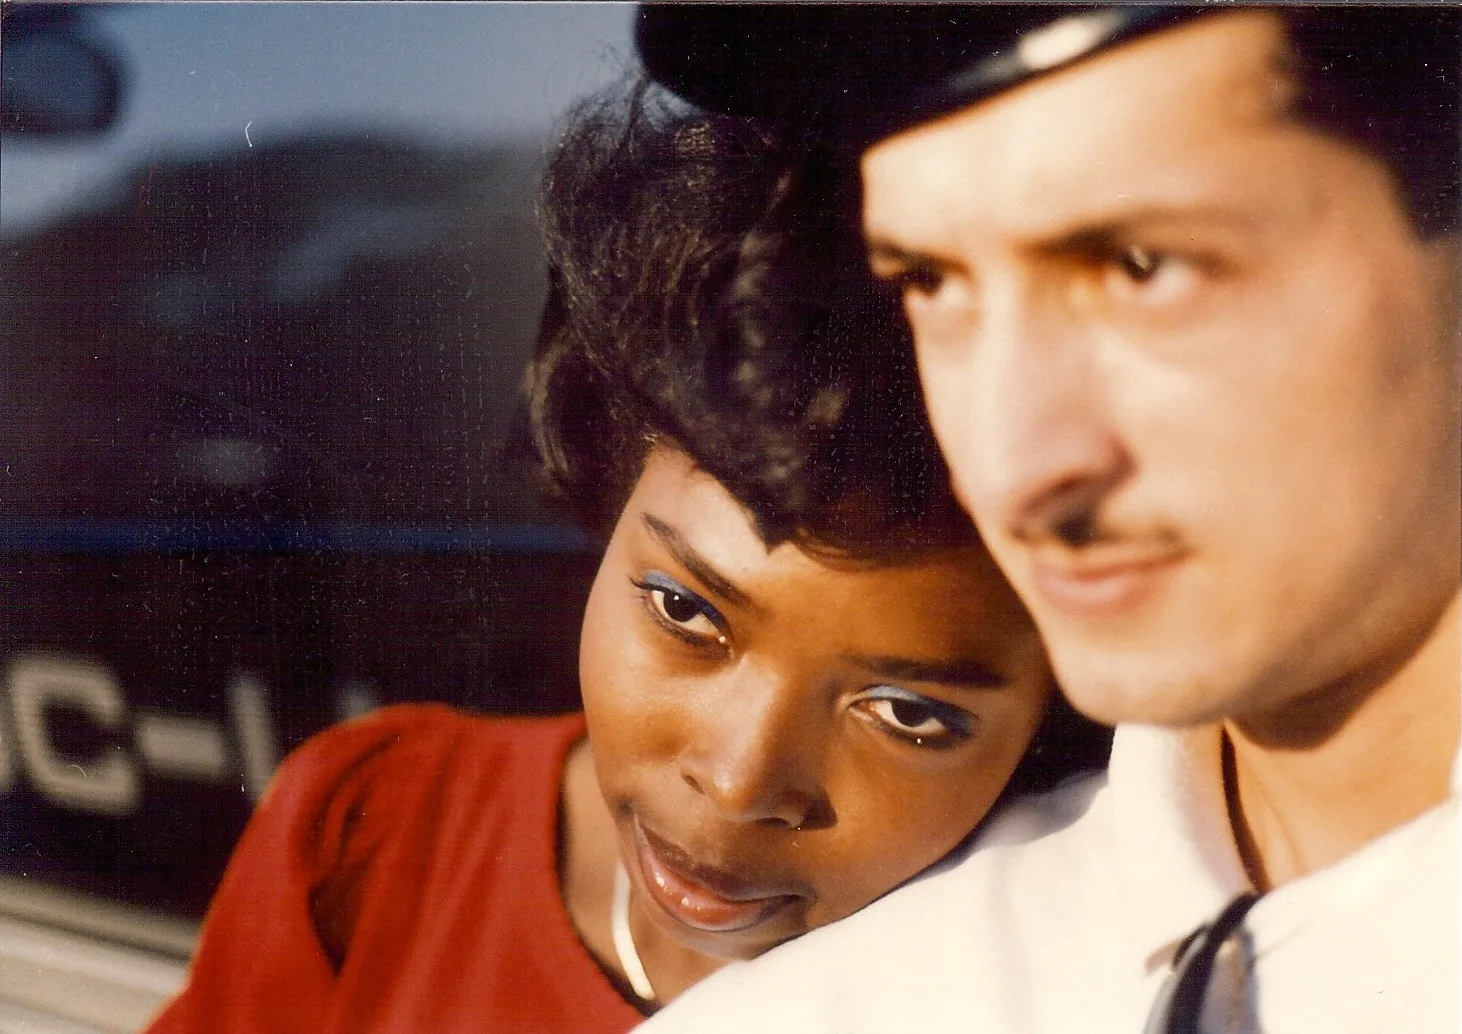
[(417, 847)]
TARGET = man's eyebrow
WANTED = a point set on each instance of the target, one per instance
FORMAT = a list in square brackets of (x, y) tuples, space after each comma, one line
[(1112, 228), (960, 673), (671, 538), (1122, 225), (880, 249)]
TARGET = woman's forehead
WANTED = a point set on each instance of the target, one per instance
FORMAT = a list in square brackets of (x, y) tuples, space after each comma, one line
[(682, 510)]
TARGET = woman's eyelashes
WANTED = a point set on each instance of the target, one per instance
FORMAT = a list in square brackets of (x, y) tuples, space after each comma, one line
[(680, 611), (915, 718), (907, 716)]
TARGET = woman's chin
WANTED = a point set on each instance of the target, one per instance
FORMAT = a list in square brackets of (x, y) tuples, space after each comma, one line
[(740, 946), (725, 914)]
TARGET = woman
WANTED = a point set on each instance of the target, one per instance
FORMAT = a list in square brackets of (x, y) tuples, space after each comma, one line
[(803, 679)]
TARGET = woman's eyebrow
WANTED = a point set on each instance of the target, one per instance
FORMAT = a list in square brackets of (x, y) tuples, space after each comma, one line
[(960, 673), (671, 538)]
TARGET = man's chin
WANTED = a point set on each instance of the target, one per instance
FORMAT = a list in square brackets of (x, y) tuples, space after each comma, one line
[(1151, 688)]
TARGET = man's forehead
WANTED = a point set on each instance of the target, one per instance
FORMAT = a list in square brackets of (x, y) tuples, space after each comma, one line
[(1157, 128)]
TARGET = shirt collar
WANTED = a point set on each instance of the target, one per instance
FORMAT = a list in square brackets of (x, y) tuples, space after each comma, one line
[(1176, 856), (1177, 861)]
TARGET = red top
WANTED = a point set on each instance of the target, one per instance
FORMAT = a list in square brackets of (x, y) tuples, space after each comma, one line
[(401, 875)]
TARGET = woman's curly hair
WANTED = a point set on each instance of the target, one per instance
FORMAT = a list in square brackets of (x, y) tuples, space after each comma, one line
[(706, 290), (705, 293)]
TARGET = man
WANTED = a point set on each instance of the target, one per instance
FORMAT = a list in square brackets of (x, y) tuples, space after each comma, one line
[(1183, 289)]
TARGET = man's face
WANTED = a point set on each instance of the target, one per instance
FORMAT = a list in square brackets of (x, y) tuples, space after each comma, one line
[(1195, 375)]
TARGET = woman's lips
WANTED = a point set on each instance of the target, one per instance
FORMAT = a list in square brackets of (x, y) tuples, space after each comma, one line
[(709, 900)]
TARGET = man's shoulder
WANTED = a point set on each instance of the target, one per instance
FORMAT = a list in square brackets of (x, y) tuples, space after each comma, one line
[(929, 943), (1025, 819)]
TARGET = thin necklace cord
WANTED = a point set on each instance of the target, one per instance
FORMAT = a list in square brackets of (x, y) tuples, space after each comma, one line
[(624, 941)]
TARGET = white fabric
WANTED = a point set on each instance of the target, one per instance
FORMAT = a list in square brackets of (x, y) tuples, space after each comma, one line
[(1065, 915)]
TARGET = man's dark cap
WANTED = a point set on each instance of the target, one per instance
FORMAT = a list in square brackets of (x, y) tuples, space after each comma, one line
[(866, 70)]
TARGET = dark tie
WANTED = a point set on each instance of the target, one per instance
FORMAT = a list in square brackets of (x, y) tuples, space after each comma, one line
[(1180, 1001)]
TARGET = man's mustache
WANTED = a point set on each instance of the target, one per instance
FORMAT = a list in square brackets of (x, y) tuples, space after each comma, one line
[(1088, 529)]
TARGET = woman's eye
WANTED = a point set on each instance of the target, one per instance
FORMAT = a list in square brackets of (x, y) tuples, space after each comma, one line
[(681, 611), (910, 716)]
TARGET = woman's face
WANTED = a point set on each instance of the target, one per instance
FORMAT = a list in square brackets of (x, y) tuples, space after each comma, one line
[(781, 741)]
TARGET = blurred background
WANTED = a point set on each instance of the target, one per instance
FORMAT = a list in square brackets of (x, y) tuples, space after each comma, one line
[(270, 276)]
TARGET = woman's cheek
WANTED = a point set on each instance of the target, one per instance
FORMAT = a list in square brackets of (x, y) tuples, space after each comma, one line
[(633, 709)]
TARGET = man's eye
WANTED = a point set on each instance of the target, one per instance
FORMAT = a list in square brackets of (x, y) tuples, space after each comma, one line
[(911, 716), (1149, 277), (679, 610), (923, 281), (1139, 264)]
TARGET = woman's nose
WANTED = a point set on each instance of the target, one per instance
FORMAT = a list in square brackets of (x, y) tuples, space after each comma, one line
[(755, 757)]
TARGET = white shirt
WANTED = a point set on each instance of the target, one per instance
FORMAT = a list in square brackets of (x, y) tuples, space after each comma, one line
[(1066, 913)]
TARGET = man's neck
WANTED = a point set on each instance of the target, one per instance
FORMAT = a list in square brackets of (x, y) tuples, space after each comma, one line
[(1298, 810)]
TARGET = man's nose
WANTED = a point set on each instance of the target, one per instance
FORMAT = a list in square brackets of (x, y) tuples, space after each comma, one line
[(1042, 444), (753, 757)]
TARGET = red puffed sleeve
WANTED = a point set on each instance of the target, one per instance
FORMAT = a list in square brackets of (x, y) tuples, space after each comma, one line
[(323, 844)]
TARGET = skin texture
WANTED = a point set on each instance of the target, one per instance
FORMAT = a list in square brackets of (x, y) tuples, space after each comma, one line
[(759, 742), (1197, 381)]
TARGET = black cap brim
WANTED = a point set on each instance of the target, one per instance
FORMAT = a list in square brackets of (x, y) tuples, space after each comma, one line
[(868, 69)]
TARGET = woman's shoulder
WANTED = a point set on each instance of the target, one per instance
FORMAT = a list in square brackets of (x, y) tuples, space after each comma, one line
[(406, 796), (364, 831), (425, 726), (414, 743), (364, 783)]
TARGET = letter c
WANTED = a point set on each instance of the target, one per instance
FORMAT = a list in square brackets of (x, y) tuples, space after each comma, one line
[(107, 783)]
